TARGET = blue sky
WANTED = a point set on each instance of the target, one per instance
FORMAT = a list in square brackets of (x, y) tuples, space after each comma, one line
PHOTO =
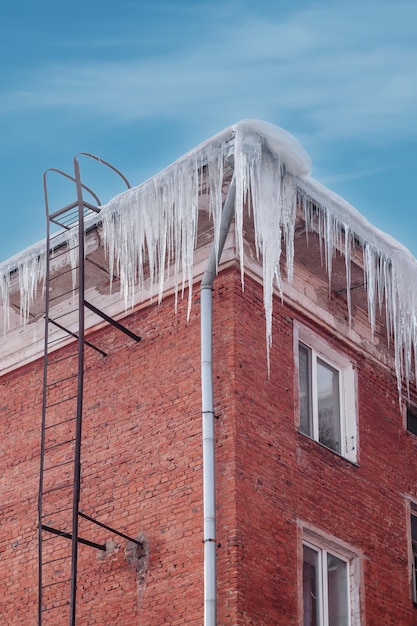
[(141, 82)]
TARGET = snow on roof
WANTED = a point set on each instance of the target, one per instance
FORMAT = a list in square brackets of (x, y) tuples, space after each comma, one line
[(157, 222)]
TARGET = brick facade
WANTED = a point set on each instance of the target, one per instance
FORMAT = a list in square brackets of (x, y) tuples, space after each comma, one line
[(142, 474)]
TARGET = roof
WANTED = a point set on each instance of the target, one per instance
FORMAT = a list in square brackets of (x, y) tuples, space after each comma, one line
[(159, 223)]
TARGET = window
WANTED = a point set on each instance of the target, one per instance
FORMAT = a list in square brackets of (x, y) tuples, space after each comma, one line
[(414, 551), (412, 419), (325, 588), (331, 581), (326, 395)]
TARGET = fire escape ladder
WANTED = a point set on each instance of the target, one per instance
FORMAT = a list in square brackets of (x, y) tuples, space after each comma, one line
[(62, 405)]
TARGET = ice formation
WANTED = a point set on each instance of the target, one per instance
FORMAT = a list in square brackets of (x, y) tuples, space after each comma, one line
[(153, 228)]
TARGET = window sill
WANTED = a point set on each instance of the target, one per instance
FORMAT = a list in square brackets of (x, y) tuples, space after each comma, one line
[(310, 440)]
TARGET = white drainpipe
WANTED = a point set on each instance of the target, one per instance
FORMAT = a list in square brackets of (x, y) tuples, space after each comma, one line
[(209, 496)]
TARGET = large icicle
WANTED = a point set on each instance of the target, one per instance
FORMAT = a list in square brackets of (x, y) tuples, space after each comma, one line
[(154, 226), (152, 229), (29, 268), (390, 273)]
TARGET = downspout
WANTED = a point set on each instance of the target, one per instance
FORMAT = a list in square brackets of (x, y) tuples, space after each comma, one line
[(207, 401)]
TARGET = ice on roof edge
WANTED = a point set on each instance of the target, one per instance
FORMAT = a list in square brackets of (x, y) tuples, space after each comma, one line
[(271, 166)]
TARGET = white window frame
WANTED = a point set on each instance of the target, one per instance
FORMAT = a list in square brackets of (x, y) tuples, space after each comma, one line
[(325, 545), (413, 553), (347, 390)]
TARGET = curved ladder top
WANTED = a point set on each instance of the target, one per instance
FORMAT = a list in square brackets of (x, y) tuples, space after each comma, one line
[(71, 178), (106, 163)]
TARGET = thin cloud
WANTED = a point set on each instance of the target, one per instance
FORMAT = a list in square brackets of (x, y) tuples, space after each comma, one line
[(356, 174), (344, 69)]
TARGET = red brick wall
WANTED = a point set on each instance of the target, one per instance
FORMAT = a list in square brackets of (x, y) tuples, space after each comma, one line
[(141, 463), (285, 479), (142, 474)]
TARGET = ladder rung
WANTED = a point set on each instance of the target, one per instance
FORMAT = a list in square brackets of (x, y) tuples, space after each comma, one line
[(52, 489), (52, 537), (57, 582), (69, 222), (65, 209), (70, 419), (62, 295), (61, 443), (60, 558), (55, 340), (70, 208), (46, 515), (68, 212), (61, 380), (48, 406), (62, 273), (65, 313), (61, 248), (56, 606), (62, 358), (47, 469)]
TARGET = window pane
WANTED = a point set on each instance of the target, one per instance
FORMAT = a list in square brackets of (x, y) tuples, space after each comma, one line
[(304, 368), (310, 587), (412, 420), (414, 548), (337, 591), (414, 589), (328, 400), (414, 528)]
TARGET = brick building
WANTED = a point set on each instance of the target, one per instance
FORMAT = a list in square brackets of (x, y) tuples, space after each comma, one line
[(308, 511)]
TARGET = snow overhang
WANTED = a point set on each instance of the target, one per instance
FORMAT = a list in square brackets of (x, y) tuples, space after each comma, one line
[(150, 239)]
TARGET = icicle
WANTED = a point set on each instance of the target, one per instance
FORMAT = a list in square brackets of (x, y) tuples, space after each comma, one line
[(5, 299), (72, 243), (370, 276), (150, 233), (347, 253), (29, 271)]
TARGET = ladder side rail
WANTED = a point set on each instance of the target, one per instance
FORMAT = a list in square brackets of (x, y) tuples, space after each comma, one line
[(72, 216), (44, 404), (80, 392)]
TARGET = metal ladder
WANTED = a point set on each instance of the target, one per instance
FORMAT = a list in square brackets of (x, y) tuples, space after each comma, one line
[(59, 511)]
